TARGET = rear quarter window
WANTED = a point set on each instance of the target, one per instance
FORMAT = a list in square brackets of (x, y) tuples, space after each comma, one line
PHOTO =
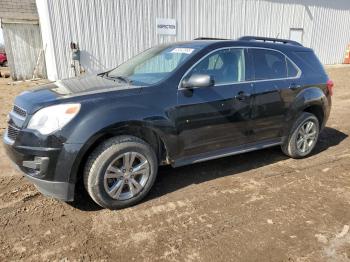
[(310, 63), (291, 69)]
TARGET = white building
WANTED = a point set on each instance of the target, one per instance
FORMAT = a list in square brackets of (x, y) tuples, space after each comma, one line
[(23, 43), (110, 31)]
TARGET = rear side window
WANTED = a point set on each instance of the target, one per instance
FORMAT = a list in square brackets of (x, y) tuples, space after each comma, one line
[(268, 64)]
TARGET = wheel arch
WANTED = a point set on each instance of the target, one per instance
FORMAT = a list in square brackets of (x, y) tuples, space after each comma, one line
[(149, 135), (315, 102), (318, 111), (311, 100)]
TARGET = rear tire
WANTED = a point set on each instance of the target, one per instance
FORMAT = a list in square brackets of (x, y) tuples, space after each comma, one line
[(5, 64), (120, 172), (303, 136)]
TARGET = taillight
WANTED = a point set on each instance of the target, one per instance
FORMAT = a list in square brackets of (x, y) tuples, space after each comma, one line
[(330, 86)]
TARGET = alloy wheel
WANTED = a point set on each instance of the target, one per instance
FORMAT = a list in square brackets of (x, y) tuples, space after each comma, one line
[(126, 175), (306, 137)]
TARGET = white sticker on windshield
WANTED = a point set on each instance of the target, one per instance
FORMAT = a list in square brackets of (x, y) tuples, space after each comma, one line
[(182, 50)]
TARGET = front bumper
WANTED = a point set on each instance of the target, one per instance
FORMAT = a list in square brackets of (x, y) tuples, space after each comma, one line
[(60, 190), (49, 169)]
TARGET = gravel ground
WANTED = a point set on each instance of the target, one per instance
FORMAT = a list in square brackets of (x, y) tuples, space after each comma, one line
[(259, 206)]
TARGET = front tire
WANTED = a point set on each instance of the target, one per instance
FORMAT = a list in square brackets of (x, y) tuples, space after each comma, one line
[(303, 136), (120, 172)]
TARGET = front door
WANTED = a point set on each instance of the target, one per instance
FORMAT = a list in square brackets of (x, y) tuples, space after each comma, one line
[(215, 117)]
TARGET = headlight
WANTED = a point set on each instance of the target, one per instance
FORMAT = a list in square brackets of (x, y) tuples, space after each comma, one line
[(52, 118)]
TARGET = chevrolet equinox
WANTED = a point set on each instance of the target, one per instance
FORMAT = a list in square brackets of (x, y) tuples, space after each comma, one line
[(177, 104)]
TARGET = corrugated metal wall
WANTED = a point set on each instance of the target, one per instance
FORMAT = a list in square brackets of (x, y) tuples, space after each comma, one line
[(111, 31), (23, 44)]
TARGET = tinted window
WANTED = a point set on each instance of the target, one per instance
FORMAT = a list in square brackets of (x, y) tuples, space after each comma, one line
[(268, 64), (292, 71), (311, 61), (225, 66)]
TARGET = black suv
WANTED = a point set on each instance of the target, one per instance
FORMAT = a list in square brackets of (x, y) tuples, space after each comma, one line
[(177, 104)]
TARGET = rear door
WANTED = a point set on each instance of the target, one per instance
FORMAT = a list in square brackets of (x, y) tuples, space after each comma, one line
[(215, 117), (276, 81)]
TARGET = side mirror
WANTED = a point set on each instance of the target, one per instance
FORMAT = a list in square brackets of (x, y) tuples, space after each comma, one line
[(198, 80)]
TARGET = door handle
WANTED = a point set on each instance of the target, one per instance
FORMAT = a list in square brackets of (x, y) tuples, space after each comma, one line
[(294, 86), (242, 95)]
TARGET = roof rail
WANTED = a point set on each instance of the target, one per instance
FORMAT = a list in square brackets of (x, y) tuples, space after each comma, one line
[(268, 39), (209, 38)]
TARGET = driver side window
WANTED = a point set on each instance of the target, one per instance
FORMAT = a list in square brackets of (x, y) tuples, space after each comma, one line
[(225, 66)]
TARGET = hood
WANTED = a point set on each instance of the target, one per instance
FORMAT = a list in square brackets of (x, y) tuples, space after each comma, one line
[(68, 89)]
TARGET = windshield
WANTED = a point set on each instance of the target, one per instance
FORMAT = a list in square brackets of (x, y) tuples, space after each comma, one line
[(153, 65)]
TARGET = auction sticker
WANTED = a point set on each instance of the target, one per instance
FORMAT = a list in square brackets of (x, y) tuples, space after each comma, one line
[(182, 50)]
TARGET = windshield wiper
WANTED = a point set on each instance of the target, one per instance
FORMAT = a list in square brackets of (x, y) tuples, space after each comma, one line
[(121, 78)]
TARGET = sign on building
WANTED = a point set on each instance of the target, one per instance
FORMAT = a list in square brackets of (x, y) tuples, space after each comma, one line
[(166, 26)]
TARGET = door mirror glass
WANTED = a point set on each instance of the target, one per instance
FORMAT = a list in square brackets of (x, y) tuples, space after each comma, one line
[(198, 80)]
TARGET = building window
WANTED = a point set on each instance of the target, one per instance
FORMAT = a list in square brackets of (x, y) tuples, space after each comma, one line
[(296, 34)]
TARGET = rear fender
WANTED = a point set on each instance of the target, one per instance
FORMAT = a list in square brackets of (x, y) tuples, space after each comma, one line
[(311, 96)]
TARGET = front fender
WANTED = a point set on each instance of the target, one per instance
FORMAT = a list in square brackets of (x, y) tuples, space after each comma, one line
[(98, 117), (91, 124)]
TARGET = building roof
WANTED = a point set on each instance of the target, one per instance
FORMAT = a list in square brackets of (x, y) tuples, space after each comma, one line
[(18, 10)]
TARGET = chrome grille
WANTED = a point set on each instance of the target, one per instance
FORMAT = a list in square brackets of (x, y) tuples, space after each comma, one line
[(19, 111), (12, 132)]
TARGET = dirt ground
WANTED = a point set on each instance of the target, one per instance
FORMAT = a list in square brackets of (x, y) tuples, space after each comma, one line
[(259, 206)]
